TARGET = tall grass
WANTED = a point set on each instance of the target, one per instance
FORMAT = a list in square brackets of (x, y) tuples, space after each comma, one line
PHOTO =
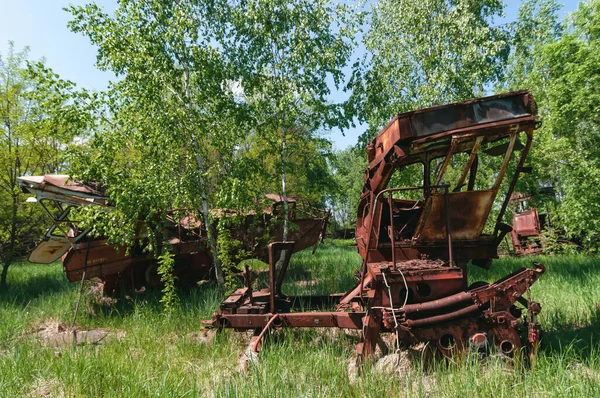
[(157, 357)]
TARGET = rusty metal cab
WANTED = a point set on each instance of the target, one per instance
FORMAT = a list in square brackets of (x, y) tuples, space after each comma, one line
[(445, 217)]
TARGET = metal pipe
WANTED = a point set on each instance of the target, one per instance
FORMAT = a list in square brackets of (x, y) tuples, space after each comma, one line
[(463, 312), (448, 231), (462, 297), (262, 333)]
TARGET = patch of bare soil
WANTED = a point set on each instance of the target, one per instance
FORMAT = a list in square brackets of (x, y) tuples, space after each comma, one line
[(586, 371), (56, 334), (399, 365), (201, 337), (46, 388), (247, 359)]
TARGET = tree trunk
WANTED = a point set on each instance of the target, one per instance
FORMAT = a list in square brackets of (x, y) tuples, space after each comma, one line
[(210, 230), (11, 246), (212, 242), (286, 217), (3, 285)]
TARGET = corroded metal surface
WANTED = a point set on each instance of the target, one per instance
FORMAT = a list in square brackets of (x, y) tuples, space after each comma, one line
[(415, 241), (527, 226), (133, 267)]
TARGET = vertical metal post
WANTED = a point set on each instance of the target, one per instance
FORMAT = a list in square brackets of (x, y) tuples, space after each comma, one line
[(248, 279), (448, 231), (391, 230), (272, 278)]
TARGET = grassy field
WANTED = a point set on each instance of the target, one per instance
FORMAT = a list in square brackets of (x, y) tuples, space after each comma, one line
[(151, 354)]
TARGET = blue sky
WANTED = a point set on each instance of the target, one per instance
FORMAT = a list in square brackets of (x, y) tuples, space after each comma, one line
[(42, 25)]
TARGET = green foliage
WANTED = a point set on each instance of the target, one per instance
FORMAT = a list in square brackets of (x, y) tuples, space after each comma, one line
[(169, 299), (560, 63), (426, 53), (169, 126), (231, 250), (286, 51), (198, 80), (306, 164), (347, 169), (39, 114), (554, 244)]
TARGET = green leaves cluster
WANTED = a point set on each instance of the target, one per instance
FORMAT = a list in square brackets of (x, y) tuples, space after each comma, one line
[(169, 299), (347, 169), (200, 85), (426, 53), (560, 62), (39, 114)]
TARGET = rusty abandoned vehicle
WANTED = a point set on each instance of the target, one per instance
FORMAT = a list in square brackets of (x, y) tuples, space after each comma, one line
[(425, 212), (92, 258), (527, 226)]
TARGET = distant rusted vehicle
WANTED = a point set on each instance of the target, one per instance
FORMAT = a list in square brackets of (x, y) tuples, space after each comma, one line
[(424, 214), (527, 226), (92, 258), (532, 230)]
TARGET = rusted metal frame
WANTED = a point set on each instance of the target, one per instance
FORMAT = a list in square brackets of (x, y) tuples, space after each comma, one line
[(513, 285), (57, 224), (448, 230), (473, 174), (451, 150), (304, 303), (454, 104), (391, 230), (435, 305), (505, 162), (368, 247), (339, 319), (350, 295), (502, 171), (248, 280), (477, 129), (282, 272), (447, 317), (426, 206), (69, 198), (513, 183), (371, 324), (443, 186), (62, 218), (272, 284), (470, 161)]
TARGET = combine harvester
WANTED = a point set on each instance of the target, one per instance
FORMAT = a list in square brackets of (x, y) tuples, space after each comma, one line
[(92, 258), (416, 241)]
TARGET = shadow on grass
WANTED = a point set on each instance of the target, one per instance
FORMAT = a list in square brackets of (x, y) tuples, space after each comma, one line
[(583, 340), (27, 288), (200, 300)]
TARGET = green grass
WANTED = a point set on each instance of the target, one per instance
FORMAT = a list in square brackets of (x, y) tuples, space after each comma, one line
[(154, 358)]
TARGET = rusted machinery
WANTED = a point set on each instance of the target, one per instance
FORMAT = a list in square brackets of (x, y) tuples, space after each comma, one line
[(527, 226), (118, 267), (434, 178)]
